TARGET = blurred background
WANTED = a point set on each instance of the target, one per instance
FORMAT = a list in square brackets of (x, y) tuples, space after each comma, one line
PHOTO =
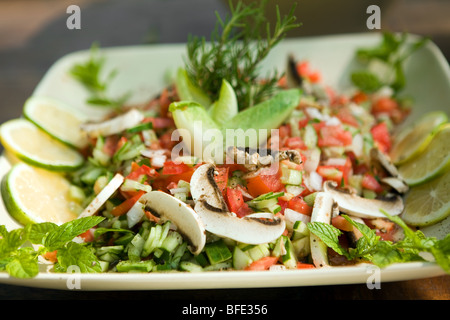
[(33, 33)]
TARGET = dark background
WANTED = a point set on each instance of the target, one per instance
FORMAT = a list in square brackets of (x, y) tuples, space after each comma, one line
[(33, 35)]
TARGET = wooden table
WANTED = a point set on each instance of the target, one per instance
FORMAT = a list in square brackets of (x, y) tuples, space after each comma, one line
[(33, 36)]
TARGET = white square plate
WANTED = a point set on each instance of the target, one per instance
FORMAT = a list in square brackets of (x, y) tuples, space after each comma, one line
[(144, 71)]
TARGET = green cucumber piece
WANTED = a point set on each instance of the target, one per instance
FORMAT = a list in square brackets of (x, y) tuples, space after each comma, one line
[(241, 260)]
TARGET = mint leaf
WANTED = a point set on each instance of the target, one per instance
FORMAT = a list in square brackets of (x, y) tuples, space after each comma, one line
[(56, 238), (11, 241), (329, 235), (24, 264), (76, 254), (36, 232)]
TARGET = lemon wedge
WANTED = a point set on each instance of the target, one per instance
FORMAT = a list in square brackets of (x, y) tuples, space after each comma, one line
[(34, 195), (428, 203), (412, 140), (33, 146), (432, 162), (57, 119)]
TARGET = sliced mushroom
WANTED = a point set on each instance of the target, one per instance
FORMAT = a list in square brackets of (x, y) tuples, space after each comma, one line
[(103, 196), (251, 229), (186, 220), (204, 186), (382, 162), (211, 207), (323, 209), (115, 125), (354, 205)]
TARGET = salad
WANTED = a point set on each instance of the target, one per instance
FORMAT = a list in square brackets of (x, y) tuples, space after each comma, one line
[(159, 188)]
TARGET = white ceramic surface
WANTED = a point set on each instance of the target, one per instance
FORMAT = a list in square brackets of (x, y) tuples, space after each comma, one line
[(144, 70)]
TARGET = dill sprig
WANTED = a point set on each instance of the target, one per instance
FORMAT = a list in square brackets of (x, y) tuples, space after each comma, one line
[(235, 51)]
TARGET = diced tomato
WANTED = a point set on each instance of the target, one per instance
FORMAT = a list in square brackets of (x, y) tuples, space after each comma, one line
[(262, 184), (384, 105), (125, 206), (171, 167), (164, 102), (299, 205), (359, 97), (283, 204), (347, 117), (302, 123), (301, 265), (51, 256), (295, 143), (314, 76), (222, 177), (341, 223), (331, 173), (236, 204), (334, 136), (369, 182), (383, 228), (137, 172), (262, 264), (381, 136), (87, 236), (110, 146), (303, 68)]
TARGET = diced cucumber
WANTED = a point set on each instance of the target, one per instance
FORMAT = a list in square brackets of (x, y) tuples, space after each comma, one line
[(109, 257), (241, 259), (190, 266), (201, 259), (258, 251), (135, 266), (310, 136), (301, 247), (134, 248), (289, 259), (278, 249), (219, 266), (300, 230), (217, 252), (133, 185), (291, 176), (172, 241), (109, 249), (309, 199)]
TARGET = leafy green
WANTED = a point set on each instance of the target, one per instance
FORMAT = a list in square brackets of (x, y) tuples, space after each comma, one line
[(20, 259), (89, 75), (392, 51), (381, 252), (235, 52)]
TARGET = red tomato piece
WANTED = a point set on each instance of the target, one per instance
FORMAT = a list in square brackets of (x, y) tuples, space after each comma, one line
[(171, 167), (341, 223), (299, 205), (295, 143), (381, 136), (262, 184), (369, 182), (262, 264), (334, 136), (125, 206), (384, 105), (222, 177), (236, 204)]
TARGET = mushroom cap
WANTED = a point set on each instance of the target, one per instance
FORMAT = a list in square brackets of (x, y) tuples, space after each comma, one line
[(255, 228), (211, 207), (187, 221), (357, 206)]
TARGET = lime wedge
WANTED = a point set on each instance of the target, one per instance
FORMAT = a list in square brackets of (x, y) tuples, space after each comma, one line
[(32, 145), (428, 203), (432, 162), (187, 91), (57, 119), (226, 107), (412, 140), (34, 195)]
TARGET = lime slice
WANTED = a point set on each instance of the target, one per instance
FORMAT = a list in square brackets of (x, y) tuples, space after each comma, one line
[(226, 107), (187, 91), (34, 195), (428, 203), (57, 119), (432, 162), (412, 140), (34, 146)]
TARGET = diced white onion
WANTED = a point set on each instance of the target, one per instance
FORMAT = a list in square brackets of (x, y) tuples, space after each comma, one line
[(293, 216), (312, 160), (335, 161), (135, 214)]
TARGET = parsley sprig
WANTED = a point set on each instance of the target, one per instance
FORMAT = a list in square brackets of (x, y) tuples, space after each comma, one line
[(391, 52), (235, 52), (382, 252), (20, 259), (89, 74)]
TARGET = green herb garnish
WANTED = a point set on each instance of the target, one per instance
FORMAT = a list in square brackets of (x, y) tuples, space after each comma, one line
[(381, 252), (89, 74), (235, 52), (20, 259)]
